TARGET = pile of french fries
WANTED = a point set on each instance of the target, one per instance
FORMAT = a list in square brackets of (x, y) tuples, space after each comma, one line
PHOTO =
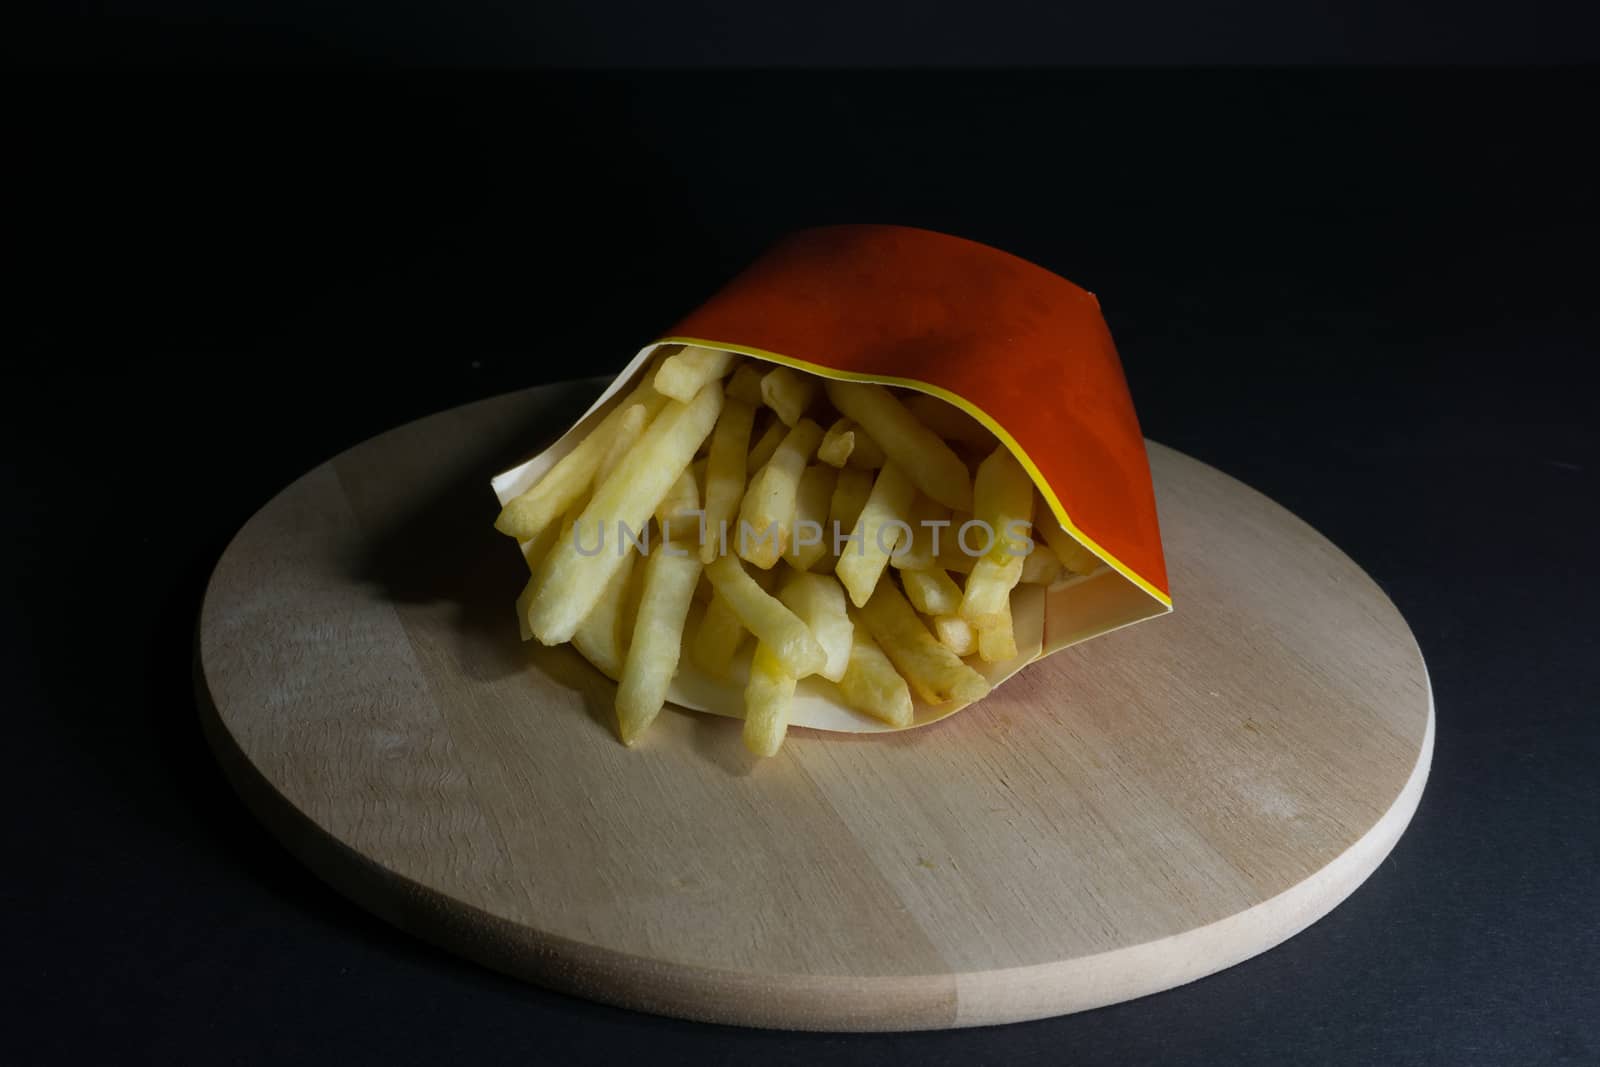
[(823, 519)]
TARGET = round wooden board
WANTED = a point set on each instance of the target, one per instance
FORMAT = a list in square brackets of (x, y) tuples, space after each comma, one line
[(1129, 815)]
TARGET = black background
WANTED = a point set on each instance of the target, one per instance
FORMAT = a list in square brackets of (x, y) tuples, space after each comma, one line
[(1367, 292)]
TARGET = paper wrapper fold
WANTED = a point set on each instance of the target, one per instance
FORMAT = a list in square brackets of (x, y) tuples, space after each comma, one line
[(1025, 352)]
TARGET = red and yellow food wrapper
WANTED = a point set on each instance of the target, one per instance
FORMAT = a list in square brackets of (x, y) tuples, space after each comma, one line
[(1023, 351)]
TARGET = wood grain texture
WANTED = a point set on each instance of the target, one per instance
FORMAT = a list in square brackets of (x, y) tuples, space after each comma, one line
[(1126, 816)]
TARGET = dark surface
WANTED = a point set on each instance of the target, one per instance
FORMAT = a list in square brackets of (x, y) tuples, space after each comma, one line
[(850, 33), (1368, 294)]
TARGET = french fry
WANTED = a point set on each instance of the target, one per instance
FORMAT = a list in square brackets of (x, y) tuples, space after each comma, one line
[(717, 639), (1003, 497), (1041, 567), (871, 684), (865, 453), (762, 450), (652, 658), (956, 634), (932, 592), (767, 699), (997, 641), (837, 443), (876, 533), (767, 512), (765, 616), (600, 637), (850, 494), (818, 601), (745, 385), (930, 533), (685, 373), (808, 541), (627, 433), (679, 513), (527, 516), (570, 581), (949, 421), (926, 460), (788, 393), (1073, 556), (726, 473), (935, 673)]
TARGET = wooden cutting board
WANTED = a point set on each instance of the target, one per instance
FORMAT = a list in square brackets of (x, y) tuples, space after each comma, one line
[(1131, 814)]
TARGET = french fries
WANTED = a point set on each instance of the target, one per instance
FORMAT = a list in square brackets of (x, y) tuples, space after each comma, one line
[(569, 581), (600, 638), (1003, 496), (685, 373), (745, 385), (786, 536), (726, 472), (717, 639), (767, 697), (877, 532), (956, 634), (1073, 556), (809, 539), (564, 484), (819, 603), (765, 616), (871, 684), (997, 641), (928, 461), (949, 421), (769, 502), (669, 580), (766, 445), (932, 592), (935, 673), (788, 393)]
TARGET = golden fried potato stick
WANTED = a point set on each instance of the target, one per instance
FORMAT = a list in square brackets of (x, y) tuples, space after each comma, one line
[(935, 673), (679, 514), (932, 592), (1041, 567), (956, 634), (930, 530), (1073, 556), (530, 513), (877, 532), (809, 539), (670, 575), (949, 421), (788, 393), (685, 373), (871, 684), (570, 580), (745, 385), (865, 453), (726, 472), (600, 637), (627, 433), (837, 443), (767, 512), (717, 639), (762, 450), (767, 700), (926, 460), (997, 641), (765, 616), (1003, 499), (818, 601)]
